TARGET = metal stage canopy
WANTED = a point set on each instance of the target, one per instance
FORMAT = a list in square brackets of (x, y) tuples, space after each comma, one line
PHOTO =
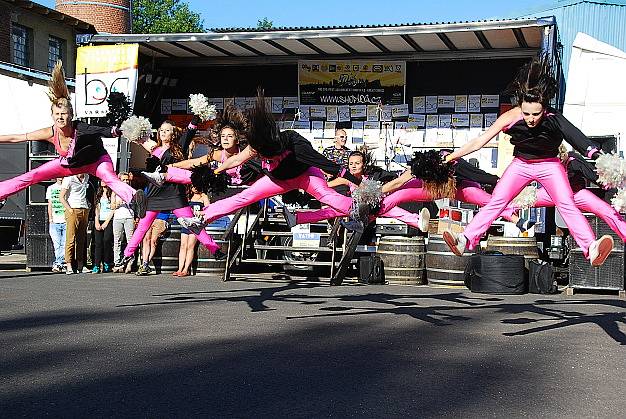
[(414, 41)]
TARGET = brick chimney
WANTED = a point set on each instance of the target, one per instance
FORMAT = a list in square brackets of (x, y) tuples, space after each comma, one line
[(109, 16)]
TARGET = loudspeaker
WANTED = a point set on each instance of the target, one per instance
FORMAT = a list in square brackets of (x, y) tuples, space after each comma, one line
[(39, 247), (371, 270), (610, 275), (37, 192)]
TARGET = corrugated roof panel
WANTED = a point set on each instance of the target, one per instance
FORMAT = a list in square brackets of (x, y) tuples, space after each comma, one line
[(395, 43), (501, 39), (361, 44), (204, 49), (295, 46), (328, 46), (464, 40), (605, 21), (264, 47), (429, 42)]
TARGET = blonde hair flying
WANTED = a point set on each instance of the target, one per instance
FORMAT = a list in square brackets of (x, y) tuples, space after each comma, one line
[(58, 93)]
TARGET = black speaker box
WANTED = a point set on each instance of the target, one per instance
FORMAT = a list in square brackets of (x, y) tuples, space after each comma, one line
[(36, 219), (371, 270), (610, 275)]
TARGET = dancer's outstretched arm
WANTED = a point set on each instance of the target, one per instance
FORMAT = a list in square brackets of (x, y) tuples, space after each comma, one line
[(44, 134), (237, 159), (397, 183), (477, 143)]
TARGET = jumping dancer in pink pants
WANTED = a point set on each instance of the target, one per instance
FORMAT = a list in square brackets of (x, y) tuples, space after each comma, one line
[(536, 133), (79, 146), (289, 162), (578, 169), (356, 166), (229, 126), (170, 196)]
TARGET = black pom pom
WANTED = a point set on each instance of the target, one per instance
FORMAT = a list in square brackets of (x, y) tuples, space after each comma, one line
[(119, 108), (428, 166), (204, 179), (152, 163)]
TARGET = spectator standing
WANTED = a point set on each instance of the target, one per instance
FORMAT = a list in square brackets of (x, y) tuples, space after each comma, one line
[(188, 240), (150, 241), (56, 228), (338, 152), (103, 230), (123, 226), (74, 199)]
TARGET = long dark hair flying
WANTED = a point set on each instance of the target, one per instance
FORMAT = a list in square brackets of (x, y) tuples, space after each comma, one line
[(263, 134), (535, 82)]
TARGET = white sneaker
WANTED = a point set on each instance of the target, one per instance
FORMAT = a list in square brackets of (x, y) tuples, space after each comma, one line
[(191, 223), (424, 219), (156, 178), (600, 250), (456, 242), (70, 271)]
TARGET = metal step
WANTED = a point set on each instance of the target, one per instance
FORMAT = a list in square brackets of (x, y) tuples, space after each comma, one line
[(294, 249), (286, 262), (284, 277), (286, 233)]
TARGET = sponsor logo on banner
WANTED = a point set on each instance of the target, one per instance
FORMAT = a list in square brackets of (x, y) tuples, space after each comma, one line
[(101, 70), (351, 82)]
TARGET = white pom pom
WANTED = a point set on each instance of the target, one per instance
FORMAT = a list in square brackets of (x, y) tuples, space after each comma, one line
[(199, 106), (611, 171), (526, 198), (136, 128), (369, 193), (619, 200)]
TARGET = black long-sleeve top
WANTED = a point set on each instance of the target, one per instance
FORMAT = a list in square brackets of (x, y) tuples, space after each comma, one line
[(543, 140), (302, 156), (88, 147), (171, 195), (579, 169), (463, 170)]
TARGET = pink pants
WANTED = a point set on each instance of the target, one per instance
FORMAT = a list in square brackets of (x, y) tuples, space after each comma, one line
[(178, 175), (406, 217), (103, 169), (312, 181), (551, 174), (466, 192), (146, 222), (589, 202)]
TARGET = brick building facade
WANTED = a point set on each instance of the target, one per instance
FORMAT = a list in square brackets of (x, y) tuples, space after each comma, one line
[(33, 36)]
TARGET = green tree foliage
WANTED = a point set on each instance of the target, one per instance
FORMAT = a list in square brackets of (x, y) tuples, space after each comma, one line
[(264, 23), (164, 16)]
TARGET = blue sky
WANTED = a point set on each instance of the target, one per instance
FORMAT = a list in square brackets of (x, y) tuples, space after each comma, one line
[(245, 13)]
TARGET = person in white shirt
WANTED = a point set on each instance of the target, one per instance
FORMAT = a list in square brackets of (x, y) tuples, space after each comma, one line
[(123, 225), (56, 219), (74, 199)]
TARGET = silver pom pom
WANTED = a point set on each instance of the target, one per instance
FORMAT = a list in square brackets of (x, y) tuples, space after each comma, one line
[(611, 171), (619, 200), (199, 106), (367, 195), (136, 128), (526, 198)]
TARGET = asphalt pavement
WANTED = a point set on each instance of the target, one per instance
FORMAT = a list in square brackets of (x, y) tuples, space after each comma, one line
[(125, 346)]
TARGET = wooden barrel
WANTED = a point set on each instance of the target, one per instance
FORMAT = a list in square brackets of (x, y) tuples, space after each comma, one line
[(403, 259), (166, 256), (444, 268), (526, 246)]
